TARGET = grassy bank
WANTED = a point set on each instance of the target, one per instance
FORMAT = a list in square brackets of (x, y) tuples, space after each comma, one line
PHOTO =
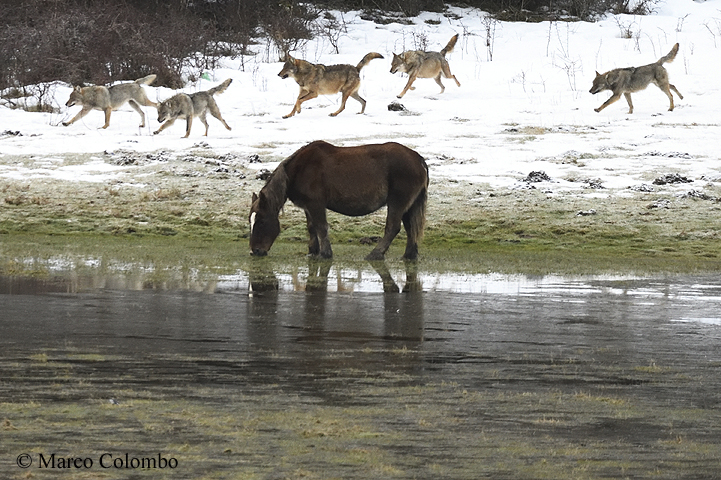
[(190, 213)]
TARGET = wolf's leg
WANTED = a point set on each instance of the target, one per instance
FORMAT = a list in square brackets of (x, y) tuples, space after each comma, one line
[(344, 99), (77, 117), (438, 81), (630, 103), (446, 69), (137, 108), (107, 117), (675, 90), (303, 97), (204, 121), (189, 123), (362, 102), (614, 98), (145, 101), (411, 79), (215, 111), (165, 125), (670, 98)]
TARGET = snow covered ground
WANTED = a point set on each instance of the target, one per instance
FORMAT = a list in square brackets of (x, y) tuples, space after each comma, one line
[(523, 105)]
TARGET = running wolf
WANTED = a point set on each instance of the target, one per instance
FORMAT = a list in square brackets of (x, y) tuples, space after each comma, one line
[(187, 106), (316, 79), (111, 98), (634, 79), (420, 64)]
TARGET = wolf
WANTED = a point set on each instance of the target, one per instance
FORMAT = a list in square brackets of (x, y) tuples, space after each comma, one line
[(420, 64), (634, 79), (317, 79), (187, 106), (107, 99)]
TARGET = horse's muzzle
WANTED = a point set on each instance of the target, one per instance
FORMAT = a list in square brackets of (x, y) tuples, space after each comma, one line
[(257, 252)]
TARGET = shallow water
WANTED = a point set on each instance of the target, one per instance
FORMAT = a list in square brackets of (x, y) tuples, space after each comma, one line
[(622, 371)]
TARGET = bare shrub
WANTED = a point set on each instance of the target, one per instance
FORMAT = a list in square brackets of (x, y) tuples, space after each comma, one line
[(79, 42), (289, 26)]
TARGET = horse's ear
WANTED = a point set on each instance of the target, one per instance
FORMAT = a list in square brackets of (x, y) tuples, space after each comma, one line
[(262, 199), (255, 198)]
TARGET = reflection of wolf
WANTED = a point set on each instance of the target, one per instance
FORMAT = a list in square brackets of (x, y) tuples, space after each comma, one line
[(633, 79), (111, 98), (187, 106), (316, 79), (420, 64)]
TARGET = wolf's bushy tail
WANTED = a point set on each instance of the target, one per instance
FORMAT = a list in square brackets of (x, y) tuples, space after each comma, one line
[(669, 56), (220, 88), (146, 80), (451, 43), (370, 56)]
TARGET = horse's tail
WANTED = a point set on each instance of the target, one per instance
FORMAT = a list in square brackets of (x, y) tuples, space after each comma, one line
[(416, 215)]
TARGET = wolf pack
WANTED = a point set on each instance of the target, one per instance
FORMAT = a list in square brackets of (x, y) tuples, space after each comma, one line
[(318, 79)]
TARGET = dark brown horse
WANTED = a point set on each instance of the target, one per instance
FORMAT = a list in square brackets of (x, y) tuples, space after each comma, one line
[(352, 181)]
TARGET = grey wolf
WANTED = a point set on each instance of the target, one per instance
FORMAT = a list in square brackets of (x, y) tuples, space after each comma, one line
[(420, 64), (107, 99), (625, 81), (187, 106), (317, 79), (352, 181)]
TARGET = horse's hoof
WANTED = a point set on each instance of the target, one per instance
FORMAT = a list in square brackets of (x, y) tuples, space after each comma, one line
[(375, 256)]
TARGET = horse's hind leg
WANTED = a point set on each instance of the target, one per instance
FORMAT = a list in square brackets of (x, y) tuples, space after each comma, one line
[(411, 252), (393, 226)]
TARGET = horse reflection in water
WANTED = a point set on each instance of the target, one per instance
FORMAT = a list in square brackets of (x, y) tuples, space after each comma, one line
[(352, 181), (329, 315)]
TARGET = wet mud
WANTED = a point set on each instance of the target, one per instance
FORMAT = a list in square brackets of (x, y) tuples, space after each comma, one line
[(538, 378)]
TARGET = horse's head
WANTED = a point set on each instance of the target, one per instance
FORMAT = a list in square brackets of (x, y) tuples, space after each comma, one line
[(264, 225)]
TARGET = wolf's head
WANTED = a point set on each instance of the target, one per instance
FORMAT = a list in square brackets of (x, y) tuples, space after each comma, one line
[(600, 83), (76, 97), (164, 111), (290, 68), (398, 64)]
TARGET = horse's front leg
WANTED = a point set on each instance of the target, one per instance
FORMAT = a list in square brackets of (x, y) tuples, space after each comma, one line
[(313, 245), (318, 228)]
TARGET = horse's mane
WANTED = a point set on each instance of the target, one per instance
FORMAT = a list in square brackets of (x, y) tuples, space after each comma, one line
[(276, 188)]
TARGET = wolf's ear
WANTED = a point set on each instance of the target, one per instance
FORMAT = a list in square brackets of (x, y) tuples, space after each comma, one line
[(77, 88), (598, 74), (296, 61)]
